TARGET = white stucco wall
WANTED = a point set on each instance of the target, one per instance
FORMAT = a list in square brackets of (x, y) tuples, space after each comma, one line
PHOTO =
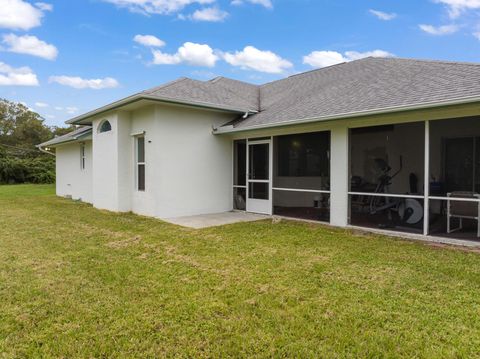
[(105, 165), (188, 171), (71, 180), (145, 202)]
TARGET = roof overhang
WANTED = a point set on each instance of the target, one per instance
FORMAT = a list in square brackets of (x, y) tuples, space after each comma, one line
[(86, 118), (84, 136), (344, 116)]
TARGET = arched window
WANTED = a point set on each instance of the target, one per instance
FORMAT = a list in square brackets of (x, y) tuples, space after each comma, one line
[(105, 126)]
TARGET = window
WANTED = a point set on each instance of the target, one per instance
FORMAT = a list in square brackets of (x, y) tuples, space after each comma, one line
[(301, 176), (240, 174), (105, 126), (240, 163), (461, 164), (304, 155), (454, 177), (82, 156), (387, 166), (140, 162)]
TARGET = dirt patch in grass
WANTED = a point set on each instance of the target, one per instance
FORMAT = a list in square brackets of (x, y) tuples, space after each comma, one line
[(124, 242)]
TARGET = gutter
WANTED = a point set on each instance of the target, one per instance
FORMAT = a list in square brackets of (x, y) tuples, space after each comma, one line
[(137, 97), (385, 110), (72, 139)]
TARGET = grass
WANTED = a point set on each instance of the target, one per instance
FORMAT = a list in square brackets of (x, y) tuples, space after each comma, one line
[(79, 282)]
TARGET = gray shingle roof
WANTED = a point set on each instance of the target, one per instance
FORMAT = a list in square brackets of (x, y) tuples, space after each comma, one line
[(219, 91), (371, 84), (79, 133), (364, 85)]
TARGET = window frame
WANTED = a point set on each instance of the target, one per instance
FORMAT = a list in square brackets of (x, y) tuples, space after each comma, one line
[(139, 164), (83, 157), (103, 123)]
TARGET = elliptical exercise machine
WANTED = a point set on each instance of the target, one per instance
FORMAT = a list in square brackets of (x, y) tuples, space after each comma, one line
[(400, 211)]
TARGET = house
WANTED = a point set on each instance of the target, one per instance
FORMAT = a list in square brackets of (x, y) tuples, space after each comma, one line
[(383, 143)]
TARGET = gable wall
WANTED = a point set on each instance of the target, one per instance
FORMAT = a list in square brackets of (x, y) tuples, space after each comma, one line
[(71, 180)]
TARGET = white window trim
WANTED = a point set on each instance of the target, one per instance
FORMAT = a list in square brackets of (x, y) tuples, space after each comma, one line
[(306, 190), (83, 157), (100, 125), (137, 163), (383, 194), (138, 134)]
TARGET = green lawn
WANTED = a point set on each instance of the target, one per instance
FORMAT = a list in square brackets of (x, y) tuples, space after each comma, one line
[(79, 282)]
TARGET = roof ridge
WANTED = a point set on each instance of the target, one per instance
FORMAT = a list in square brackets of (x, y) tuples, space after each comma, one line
[(375, 58), (314, 70), (447, 62), (156, 88), (218, 78), (240, 94)]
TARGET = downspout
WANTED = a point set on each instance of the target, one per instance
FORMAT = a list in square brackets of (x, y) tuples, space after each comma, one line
[(45, 151), (245, 116)]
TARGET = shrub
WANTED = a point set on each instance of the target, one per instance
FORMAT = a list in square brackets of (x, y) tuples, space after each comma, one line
[(39, 169)]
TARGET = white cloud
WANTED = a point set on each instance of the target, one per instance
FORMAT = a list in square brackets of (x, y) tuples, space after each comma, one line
[(320, 59), (383, 15), (161, 58), (20, 15), (439, 30), (258, 60), (79, 83), (149, 40), (44, 6), (58, 108), (323, 58), (41, 104), (71, 110), (477, 35), (30, 45), (211, 14), (456, 7), (20, 76), (157, 6), (190, 54), (355, 55), (266, 3)]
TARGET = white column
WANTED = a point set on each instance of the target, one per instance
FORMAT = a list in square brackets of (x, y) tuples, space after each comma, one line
[(125, 167), (105, 164), (426, 188), (339, 177)]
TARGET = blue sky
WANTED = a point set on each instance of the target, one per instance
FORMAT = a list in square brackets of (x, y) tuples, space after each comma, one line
[(62, 58)]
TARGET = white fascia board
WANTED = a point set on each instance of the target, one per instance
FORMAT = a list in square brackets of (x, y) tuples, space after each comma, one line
[(344, 116), (79, 138), (138, 97)]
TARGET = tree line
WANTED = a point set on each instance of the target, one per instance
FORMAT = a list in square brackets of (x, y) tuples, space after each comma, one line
[(21, 130)]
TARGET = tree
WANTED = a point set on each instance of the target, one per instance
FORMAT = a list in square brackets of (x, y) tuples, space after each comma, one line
[(21, 127), (60, 131), (20, 131)]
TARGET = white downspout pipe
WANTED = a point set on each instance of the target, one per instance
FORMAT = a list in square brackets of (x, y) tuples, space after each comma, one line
[(45, 151)]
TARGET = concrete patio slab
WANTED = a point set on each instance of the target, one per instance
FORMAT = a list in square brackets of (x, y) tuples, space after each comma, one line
[(216, 219)]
